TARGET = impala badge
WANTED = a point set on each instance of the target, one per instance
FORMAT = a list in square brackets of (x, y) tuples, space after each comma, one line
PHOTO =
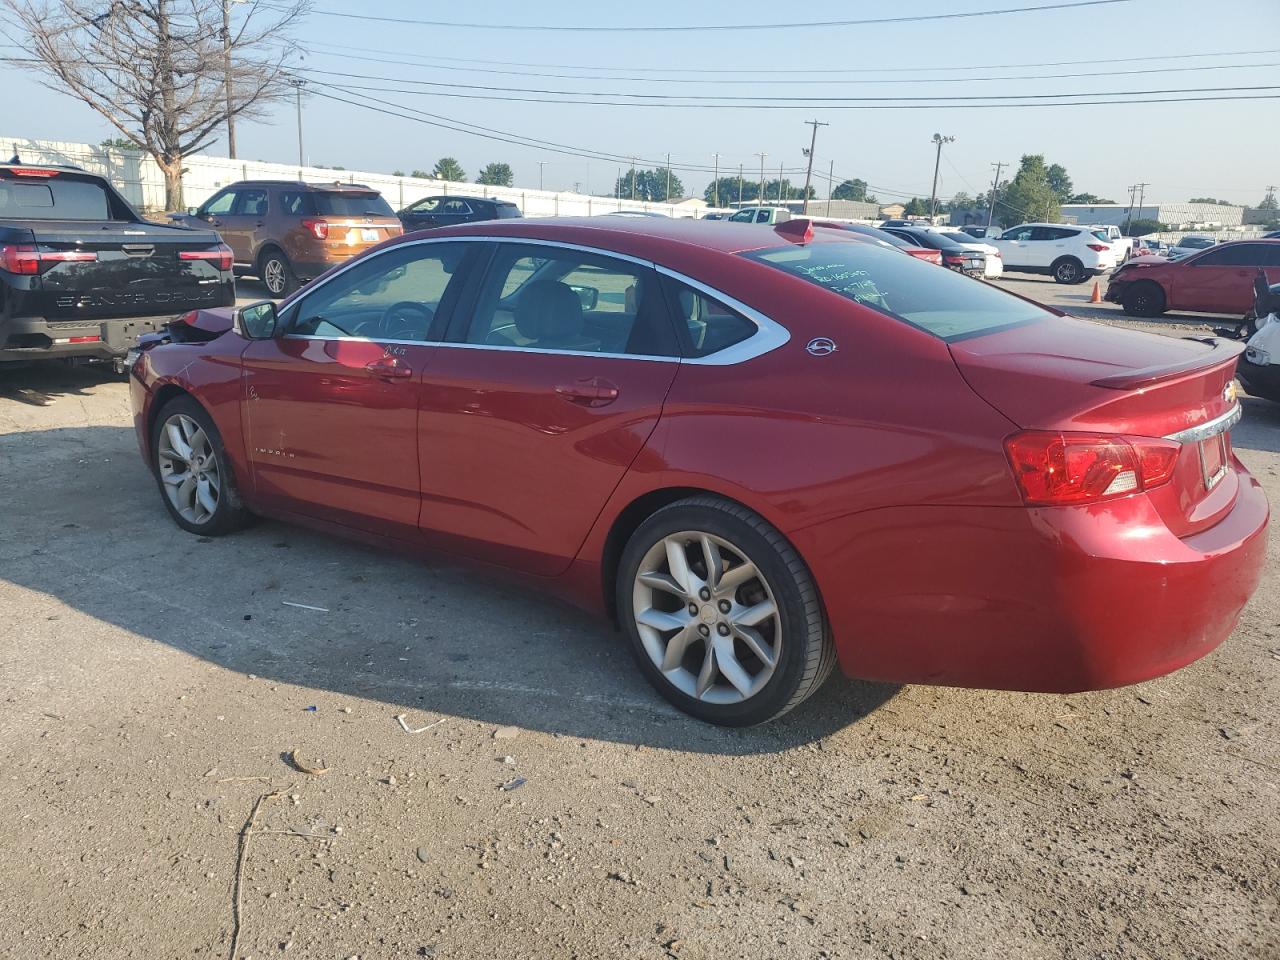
[(821, 346)]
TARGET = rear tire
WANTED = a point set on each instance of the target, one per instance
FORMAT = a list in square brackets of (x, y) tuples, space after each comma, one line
[(276, 273), (1144, 299), (193, 471), (721, 613), (1068, 270)]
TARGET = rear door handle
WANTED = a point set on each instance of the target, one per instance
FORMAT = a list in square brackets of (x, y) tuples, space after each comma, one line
[(389, 368), (589, 391)]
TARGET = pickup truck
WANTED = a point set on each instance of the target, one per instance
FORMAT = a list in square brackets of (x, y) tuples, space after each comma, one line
[(1122, 245), (771, 215), (82, 275)]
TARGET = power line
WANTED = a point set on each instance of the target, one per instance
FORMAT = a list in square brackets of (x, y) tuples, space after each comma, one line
[(707, 27)]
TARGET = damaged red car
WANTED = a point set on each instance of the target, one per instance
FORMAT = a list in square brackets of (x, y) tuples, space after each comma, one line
[(763, 451)]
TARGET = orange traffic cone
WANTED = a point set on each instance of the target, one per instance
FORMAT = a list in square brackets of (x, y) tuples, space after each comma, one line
[(1097, 293)]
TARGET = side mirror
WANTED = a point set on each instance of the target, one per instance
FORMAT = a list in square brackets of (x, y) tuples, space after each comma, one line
[(193, 211), (587, 296), (257, 321)]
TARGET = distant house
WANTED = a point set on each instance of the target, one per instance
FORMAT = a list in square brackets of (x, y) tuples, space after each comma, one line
[(892, 211), (695, 205)]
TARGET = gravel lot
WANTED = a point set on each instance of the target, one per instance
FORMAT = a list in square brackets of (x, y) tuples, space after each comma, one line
[(154, 684)]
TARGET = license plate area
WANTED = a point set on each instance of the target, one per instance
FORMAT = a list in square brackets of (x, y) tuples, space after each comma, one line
[(1213, 459), (370, 235)]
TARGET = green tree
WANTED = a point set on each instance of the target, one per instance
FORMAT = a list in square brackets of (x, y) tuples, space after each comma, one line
[(916, 208), (961, 201), (1029, 197), (854, 189), (789, 191), (120, 143), (649, 185), (447, 168), (496, 175), (1269, 201), (1059, 182), (725, 191), (1089, 199), (1140, 228), (397, 173), (421, 174)]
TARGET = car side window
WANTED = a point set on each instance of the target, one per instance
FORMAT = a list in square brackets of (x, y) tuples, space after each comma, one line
[(293, 202), (429, 205), (457, 208), (1023, 234), (219, 205), (1270, 254), (251, 203), (1043, 233), (394, 295), (548, 298), (711, 326), (762, 216), (1223, 257)]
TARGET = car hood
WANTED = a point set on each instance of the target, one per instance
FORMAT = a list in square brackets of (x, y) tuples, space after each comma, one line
[(216, 320)]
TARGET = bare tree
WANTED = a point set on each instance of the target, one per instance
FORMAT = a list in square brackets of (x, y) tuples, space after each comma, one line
[(157, 69)]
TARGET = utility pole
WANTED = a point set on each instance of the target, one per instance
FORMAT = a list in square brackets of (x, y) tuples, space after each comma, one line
[(297, 84), (715, 184), (226, 76), (995, 188), (780, 183), (541, 164), (760, 195), (831, 184), (1142, 195), (667, 196), (813, 142), (739, 183), (939, 140), (1128, 217), (633, 178)]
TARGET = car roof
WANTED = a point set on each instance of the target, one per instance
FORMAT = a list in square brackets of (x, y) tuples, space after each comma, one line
[(636, 236), (327, 187)]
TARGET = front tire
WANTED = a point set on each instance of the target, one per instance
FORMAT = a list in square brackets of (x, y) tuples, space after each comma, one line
[(1144, 299), (276, 273), (1068, 270), (193, 471), (722, 614)]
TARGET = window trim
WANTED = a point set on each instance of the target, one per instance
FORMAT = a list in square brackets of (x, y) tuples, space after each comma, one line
[(769, 335)]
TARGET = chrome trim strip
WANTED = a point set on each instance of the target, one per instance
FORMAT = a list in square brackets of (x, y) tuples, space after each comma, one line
[(769, 333), (1211, 429), (769, 336)]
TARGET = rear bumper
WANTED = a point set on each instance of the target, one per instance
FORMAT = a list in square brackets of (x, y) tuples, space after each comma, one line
[(1259, 380), (35, 338), (1049, 600)]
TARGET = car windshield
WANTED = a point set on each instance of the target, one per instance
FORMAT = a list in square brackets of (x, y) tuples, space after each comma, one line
[(941, 302), (54, 198), (351, 204), (958, 237), (1197, 243)]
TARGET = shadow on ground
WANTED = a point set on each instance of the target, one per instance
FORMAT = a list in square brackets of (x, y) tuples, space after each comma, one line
[(87, 528), (40, 382)]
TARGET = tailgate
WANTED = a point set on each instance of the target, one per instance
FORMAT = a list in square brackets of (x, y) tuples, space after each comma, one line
[(1070, 375), (124, 269)]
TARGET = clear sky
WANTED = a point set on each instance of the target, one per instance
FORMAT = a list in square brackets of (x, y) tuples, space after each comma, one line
[(1229, 150)]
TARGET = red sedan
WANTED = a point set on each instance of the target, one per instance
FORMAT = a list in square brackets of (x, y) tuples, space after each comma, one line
[(1216, 280), (764, 451)]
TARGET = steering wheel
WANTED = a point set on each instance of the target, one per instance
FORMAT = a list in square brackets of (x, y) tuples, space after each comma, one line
[(406, 320)]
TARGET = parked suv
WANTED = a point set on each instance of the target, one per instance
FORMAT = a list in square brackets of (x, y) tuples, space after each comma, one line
[(450, 211), (287, 232), (1067, 253)]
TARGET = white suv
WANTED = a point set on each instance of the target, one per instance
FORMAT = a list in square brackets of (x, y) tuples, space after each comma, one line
[(1069, 254)]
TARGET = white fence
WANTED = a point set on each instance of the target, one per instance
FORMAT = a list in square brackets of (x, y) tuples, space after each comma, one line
[(140, 180)]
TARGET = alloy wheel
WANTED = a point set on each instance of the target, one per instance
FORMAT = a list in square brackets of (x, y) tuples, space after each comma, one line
[(273, 275), (189, 469), (1067, 272), (707, 617)]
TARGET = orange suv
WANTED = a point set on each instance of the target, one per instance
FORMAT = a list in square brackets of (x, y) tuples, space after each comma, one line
[(286, 232)]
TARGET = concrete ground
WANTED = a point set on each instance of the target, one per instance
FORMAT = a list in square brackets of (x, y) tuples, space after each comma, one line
[(543, 802)]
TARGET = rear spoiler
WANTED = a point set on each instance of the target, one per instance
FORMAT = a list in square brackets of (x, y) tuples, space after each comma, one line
[(1221, 352)]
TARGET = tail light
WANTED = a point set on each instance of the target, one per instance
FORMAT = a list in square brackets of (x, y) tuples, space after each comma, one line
[(27, 260), (953, 259), (32, 172), (1098, 247), (318, 228), (220, 256), (1054, 469)]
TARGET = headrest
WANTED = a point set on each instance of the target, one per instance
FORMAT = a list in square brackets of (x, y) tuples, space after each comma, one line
[(549, 310)]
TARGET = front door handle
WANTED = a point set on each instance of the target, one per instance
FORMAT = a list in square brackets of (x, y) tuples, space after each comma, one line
[(389, 368), (589, 391)]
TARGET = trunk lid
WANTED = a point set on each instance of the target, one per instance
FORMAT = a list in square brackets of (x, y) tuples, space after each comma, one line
[(136, 270), (1067, 374)]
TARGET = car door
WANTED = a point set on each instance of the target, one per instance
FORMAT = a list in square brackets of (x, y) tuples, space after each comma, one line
[(455, 210), (239, 227), (216, 210), (330, 407), (423, 214), (1015, 247), (1220, 280), (547, 389)]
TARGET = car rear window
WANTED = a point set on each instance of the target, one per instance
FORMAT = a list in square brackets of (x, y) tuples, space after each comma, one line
[(56, 198), (507, 211), (939, 301), (350, 204)]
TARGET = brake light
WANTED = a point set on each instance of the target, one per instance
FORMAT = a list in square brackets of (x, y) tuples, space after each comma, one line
[(1055, 469), (319, 228), (26, 260), (952, 258), (220, 256), (32, 172), (1098, 247)]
